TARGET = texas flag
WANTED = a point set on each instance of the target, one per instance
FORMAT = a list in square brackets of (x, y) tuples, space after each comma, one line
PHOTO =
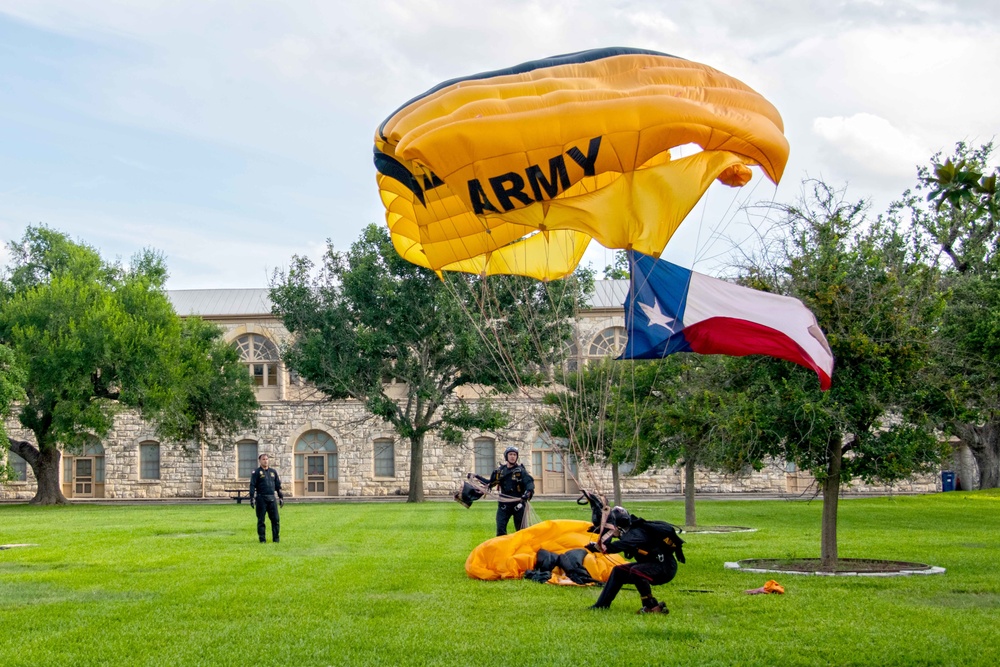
[(671, 309)]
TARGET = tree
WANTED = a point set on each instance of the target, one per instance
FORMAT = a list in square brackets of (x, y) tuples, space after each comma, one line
[(875, 295), (94, 338), (960, 211), (619, 269), (585, 416), (679, 403), (367, 317), (11, 389)]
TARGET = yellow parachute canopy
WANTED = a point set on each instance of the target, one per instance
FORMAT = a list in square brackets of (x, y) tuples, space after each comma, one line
[(510, 556), (515, 171)]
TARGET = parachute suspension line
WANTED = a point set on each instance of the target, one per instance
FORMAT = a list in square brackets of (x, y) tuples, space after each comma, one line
[(488, 298), (504, 354), (640, 404), (718, 231), (589, 440), (490, 338)]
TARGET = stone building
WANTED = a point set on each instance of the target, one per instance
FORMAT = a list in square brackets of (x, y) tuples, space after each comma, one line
[(329, 449)]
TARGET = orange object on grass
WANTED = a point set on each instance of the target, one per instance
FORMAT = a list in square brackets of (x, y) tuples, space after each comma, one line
[(771, 586)]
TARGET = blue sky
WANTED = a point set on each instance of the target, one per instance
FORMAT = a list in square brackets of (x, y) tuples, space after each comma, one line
[(232, 135)]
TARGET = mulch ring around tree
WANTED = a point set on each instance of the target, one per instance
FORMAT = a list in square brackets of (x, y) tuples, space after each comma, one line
[(708, 530), (846, 567)]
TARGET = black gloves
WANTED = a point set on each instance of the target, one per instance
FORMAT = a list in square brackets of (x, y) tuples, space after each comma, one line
[(526, 496), (281, 502), (252, 503), (592, 547)]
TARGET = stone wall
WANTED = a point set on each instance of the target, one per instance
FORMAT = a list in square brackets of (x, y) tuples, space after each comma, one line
[(293, 408), (281, 423)]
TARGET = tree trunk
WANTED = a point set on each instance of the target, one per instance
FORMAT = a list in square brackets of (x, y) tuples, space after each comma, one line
[(831, 496), (984, 443), (45, 465), (689, 519), (616, 483), (416, 469)]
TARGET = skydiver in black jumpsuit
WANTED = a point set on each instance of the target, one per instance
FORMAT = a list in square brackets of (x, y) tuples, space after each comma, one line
[(514, 482), (655, 559)]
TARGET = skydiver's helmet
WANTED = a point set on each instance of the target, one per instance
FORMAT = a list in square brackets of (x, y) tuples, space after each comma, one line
[(618, 522), (620, 518), (507, 451)]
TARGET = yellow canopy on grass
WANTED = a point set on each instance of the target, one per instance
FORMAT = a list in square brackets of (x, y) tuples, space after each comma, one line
[(510, 556)]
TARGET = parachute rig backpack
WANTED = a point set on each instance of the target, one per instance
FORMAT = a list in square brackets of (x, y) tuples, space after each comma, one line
[(662, 530)]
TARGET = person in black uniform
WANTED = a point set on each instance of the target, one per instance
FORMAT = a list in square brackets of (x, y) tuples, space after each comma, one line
[(516, 489), (264, 485), (656, 548)]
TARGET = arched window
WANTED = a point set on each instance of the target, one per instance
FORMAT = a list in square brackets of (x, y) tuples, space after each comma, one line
[(571, 357), (261, 357), (316, 464), (609, 342)]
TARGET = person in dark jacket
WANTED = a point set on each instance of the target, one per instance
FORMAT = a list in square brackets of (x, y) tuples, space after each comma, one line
[(516, 488), (656, 548), (264, 486)]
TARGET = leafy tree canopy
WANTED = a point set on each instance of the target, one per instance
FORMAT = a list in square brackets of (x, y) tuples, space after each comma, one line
[(366, 318), (875, 294), (95, 337), (957, 205)]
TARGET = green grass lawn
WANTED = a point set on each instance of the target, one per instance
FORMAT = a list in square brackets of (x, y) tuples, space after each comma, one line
[(384, 584)]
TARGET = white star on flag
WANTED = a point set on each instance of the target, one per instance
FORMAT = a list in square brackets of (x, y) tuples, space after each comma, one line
[(657, 317)]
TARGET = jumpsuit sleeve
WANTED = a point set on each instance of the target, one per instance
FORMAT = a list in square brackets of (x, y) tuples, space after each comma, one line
[(614, 547), (529, 483), (253, 484), (277, 485), (494, 479), (482, 479)]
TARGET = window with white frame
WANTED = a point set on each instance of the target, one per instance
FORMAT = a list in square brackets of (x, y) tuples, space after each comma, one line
[(571, 357), (149, 460), (486, 456), (385, 458), (261, 357), (609, 342), (246, 457), (19, 465)]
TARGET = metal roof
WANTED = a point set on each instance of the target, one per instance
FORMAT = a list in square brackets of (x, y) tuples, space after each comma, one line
[(220, 302), (244, 302), (609, 293)]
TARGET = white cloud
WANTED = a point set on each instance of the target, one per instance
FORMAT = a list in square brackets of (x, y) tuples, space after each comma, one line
[(871, 144), (275, 104)]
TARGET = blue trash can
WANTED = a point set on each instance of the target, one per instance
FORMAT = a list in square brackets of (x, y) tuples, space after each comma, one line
[(947, 480)]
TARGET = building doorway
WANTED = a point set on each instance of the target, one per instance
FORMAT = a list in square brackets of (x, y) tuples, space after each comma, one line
[(315, 482), (554, 469), (83, 474), (316, 465), (83, 477)]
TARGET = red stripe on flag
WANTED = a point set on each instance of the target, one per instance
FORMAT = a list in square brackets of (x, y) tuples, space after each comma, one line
[(738, 338)]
